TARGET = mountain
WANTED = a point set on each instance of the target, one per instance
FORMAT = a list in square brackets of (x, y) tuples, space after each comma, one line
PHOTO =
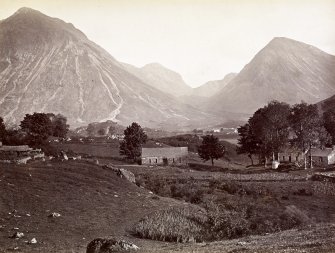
[(284, 70), (212, 87), (47, 65), (161, 78), (327, 104)]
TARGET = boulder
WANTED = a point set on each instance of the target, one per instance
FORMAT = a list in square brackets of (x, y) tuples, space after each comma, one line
[(123, 173), (110, 245)]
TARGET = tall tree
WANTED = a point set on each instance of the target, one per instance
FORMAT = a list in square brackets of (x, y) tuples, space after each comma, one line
[(247, 142), (2, 130), (270, 126), (308, 128), (329, 123), (38, 127), (134, 138), (59, 125), (210, 148)]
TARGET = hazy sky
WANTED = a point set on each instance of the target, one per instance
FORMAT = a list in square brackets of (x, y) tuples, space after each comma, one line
[(202, 40)]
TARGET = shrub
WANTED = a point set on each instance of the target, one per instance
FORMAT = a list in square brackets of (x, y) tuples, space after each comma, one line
[(177, 224)]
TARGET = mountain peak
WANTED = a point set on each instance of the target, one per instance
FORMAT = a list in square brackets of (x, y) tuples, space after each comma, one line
[(24, 10)]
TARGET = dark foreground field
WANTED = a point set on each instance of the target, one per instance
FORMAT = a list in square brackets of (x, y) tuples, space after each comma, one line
[(95, 202)]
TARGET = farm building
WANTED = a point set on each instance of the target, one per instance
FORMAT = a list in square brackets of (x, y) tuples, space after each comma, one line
[(290, 155), (18, 154), (165, 156), (323, 157)]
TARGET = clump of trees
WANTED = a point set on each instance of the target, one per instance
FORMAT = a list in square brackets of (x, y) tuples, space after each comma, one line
[(35, 129), (134, 138), (278, 126), (211, 149)]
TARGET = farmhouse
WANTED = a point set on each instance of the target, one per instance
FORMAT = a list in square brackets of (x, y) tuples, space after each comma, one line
[(165, 156), (323, 157), (18, 154), (290, 155)]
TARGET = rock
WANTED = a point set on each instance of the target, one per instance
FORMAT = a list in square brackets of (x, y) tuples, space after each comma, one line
[(64, 156), (123, 173), (33, 241), (128, 175), (54, 215), (110, 245), (17, 235)]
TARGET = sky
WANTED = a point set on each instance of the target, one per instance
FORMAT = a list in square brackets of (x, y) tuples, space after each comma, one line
[(202, 40)]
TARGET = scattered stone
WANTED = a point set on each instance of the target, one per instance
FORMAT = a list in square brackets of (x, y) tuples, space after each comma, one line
[(103, 245), (33, 241), (64, 156), (116, 196), (28, 214), (17, 235), (150, 192), (54, 215), (16, 228)]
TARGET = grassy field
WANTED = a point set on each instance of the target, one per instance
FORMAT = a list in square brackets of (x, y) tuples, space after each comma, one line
[(229, 209)]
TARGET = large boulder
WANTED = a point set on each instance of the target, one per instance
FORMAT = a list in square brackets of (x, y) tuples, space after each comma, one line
[(110, 245), (123, 173)]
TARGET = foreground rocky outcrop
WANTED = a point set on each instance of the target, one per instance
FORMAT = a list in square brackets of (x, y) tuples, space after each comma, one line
[(109, 245)]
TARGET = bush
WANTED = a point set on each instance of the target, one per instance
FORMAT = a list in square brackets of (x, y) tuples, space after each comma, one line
[(177, 224)]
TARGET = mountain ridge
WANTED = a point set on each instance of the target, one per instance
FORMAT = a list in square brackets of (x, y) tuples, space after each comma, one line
[(284, 70), (46, 65)]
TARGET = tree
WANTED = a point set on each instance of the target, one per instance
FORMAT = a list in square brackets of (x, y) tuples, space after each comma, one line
[(210, 149), (269, 129), (112, 130), (101, 131), (329, 123), (59, 126), (2, 130), (308, 128), (247, 143), (38, 128), (134, 138)]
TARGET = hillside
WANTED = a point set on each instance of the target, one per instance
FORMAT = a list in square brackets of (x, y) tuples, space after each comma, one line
[(161, 78), (48, 65), (92, 201), (327, 104), (212, 87), (284, 70)]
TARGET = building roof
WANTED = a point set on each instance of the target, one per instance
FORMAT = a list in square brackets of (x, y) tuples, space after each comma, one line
[(164, 152), (21, 148), (322, 152)]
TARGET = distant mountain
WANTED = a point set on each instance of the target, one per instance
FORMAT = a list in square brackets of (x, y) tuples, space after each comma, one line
[(47, 65), (161, 78), (212, 87), (327, 104), (284, 70)]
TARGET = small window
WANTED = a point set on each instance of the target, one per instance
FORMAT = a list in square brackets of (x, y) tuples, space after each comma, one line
[(283, 158), (156, 160), (149, 160), (320, 160)]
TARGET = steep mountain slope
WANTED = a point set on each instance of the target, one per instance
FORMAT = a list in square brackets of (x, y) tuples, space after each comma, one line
[(161, 78), (285, 70), (212, 87), (47, 65), (327, 104)]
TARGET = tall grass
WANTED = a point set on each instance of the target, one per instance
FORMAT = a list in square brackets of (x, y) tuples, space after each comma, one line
[(174, 225)]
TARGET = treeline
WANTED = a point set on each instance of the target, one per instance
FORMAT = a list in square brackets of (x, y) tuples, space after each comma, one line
[(35, 129), (279, 126)]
